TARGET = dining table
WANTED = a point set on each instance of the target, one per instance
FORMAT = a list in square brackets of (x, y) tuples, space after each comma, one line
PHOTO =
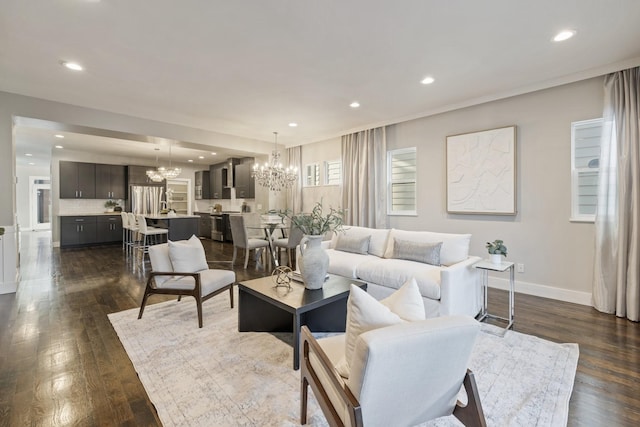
[(269, 228)]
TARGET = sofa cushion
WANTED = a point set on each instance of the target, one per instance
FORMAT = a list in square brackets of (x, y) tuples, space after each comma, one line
[(187, 256), (345, 263), (427, 253), (356, 245), (455, 247), (394, 272), (377, 244)]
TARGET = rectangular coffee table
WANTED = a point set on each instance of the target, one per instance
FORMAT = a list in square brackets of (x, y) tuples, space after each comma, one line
[(264, 308)]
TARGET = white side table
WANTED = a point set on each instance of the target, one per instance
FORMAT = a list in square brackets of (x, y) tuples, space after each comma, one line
[(487, 266)]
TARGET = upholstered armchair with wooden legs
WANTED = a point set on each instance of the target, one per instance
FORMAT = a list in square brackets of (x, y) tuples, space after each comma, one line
[(180, 268), (399, 375)]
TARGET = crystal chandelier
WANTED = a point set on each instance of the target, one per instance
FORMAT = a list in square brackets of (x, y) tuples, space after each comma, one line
[(160, 173), (273, 175)]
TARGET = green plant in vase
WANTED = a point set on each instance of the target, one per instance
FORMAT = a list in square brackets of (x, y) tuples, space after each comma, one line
[(497, 250)]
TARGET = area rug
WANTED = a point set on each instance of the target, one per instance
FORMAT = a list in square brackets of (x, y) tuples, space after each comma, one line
[(216, 376)]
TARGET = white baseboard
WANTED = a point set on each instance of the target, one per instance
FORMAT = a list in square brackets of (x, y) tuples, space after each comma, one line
[(567, 295)]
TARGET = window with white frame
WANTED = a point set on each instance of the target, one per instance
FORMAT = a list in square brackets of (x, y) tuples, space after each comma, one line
[(401, 172), (333, 172), (585, 168)]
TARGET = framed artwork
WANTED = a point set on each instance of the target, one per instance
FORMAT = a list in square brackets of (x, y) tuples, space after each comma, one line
[(481, 172)]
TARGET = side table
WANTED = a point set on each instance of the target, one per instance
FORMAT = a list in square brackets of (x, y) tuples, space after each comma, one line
[(485, 267)]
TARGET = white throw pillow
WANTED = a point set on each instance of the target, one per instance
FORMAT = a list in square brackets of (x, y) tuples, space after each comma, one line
[(406, 302), (187, 256), (365, 313)]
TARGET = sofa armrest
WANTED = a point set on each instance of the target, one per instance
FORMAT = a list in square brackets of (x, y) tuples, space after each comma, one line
[(460, 288)]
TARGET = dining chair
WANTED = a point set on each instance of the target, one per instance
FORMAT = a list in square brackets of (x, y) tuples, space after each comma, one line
[(289, 244), (241, 240), (132, 227)]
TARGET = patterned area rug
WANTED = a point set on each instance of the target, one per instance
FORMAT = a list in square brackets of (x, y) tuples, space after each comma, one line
[(216, 376)]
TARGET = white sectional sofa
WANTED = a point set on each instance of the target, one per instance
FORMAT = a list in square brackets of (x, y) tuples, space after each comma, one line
[(386, 258)]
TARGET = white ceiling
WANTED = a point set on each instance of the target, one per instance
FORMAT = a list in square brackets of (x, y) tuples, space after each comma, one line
[(248, 68)]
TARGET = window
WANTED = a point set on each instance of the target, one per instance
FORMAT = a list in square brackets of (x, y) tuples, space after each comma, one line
[(312, 175), (401, 170), (333, 172), (585, 167)]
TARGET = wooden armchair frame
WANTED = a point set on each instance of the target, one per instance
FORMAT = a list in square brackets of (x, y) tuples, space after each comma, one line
[(470, 414)]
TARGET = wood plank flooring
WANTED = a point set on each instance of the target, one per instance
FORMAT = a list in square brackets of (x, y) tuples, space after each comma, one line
[(62, 364)]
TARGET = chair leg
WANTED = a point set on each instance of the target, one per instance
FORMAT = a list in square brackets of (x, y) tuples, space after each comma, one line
[(304, 391), (147, 292), (231, 295), (246, 257), (471, 414), (235, 253), (199, 306)]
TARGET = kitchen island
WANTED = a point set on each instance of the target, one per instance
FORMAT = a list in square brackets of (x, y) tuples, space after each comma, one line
[(181, 227)]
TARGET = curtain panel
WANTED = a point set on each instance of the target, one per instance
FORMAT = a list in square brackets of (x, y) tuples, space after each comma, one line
[(294, 196), (616, 279), (364, 179)]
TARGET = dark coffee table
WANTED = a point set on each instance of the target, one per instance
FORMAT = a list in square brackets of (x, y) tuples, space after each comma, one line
[(264, 308)]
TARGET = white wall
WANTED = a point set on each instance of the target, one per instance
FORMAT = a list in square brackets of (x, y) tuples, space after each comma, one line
[(556, 252), (23, 195)]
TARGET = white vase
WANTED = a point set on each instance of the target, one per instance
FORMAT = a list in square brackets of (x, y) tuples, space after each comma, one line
[(314, 262), (496, 259)]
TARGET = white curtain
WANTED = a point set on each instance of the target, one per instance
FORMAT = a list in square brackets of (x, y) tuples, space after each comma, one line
[(294, 199), (616, 286), (364, 178)]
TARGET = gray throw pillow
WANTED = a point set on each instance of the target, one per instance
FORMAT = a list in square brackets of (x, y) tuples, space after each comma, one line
[(357, 245), (428, 253)]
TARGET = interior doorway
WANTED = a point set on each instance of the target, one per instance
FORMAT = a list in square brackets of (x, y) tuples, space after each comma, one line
[(40, 203)]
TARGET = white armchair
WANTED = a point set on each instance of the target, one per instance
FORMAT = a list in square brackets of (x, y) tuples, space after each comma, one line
[(399, 375), (180, 268)]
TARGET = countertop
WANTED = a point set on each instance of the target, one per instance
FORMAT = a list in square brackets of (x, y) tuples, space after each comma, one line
[(90, 214), (165, 216)]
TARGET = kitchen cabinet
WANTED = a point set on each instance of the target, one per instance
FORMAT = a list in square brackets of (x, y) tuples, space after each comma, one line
[(77, 230), (245, 184), (204, 225), (108, 229), (202, 185), (137, 175), (77, 180), (217, 179), (110, 181)]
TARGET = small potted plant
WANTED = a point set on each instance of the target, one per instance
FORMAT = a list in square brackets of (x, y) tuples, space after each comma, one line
[(497, 250), (314, 261), (110, 205)]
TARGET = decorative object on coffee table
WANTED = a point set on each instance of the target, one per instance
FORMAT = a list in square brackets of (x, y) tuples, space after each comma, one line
[(497, 250), (314, 261), (281, 277)]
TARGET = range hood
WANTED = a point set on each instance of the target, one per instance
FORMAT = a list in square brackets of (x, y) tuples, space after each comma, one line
[(230, 171)]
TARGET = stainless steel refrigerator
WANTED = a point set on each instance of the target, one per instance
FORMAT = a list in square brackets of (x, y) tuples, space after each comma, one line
[(146, 200)]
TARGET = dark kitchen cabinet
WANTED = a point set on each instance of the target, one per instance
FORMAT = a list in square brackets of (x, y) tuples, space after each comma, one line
[(77, 230), (109, 229), (111, 181), (204, 225), (77, 180), (245, 184), (217, 180), (137, 175), (202, 185)]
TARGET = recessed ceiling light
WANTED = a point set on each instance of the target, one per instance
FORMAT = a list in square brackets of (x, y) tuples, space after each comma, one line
[(28, 154), (213, 154), (427, 80), (293, 125), (59, 136), (73, 66), (32, 164), (190, 161), (564, 35), (354, 104), (201, 157), (59, 146)]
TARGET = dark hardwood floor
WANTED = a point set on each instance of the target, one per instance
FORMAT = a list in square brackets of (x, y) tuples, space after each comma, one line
[(61, 362)]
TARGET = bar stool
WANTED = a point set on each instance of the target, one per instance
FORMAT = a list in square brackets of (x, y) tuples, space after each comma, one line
[(132, 227), (150, 236)]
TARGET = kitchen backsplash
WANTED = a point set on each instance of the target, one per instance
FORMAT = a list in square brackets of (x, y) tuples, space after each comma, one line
[(227, 205), (82, 206)]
